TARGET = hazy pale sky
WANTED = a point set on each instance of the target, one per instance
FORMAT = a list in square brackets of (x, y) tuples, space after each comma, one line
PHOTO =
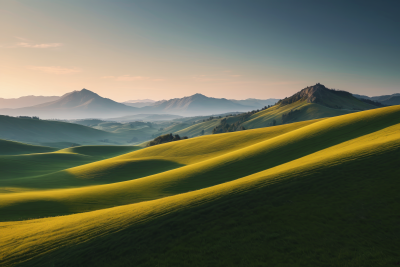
[(221, 48)]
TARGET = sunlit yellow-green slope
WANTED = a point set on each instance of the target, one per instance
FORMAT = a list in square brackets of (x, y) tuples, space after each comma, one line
[(135, 165), (333, 206), (199, 174)]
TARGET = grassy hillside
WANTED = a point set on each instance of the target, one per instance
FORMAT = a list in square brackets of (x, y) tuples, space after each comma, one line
[(173, 128), (181, 153), (203, 161), (14, 148), (315, 193), (313, 102), (307, 111), (124, 168), (265, 118), (196, 129)]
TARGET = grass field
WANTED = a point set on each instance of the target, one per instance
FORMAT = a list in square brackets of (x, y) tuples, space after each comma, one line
[(322, 192)]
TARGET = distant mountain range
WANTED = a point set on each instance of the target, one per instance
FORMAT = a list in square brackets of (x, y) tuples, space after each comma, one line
[(87, 104), (26, 101), (189, 104), (75, 105), (388, 100), (194, 105)]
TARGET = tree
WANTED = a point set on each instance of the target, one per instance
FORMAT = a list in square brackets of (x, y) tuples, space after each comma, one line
[(165, 139)]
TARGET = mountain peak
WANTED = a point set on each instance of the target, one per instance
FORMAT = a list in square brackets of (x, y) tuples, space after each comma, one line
[(87, 92), (82, 93), (198, 95)]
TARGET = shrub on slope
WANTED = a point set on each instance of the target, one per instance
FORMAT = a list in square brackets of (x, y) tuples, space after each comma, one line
[(165, 139)]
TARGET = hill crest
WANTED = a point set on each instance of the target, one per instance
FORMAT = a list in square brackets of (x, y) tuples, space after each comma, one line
[(312, 94), (319, 94)]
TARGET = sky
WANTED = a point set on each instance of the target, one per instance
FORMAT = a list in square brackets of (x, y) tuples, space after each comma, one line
[(166, 49)]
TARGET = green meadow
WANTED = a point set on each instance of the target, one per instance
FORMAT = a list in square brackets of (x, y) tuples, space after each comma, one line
[(311, 192)]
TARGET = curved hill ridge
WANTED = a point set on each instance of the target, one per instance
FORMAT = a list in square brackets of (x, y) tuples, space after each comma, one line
[(276, 148), (155, 160), (334, 192)]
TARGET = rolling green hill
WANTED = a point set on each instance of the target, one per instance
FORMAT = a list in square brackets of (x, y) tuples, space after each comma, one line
[(313, 193)]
